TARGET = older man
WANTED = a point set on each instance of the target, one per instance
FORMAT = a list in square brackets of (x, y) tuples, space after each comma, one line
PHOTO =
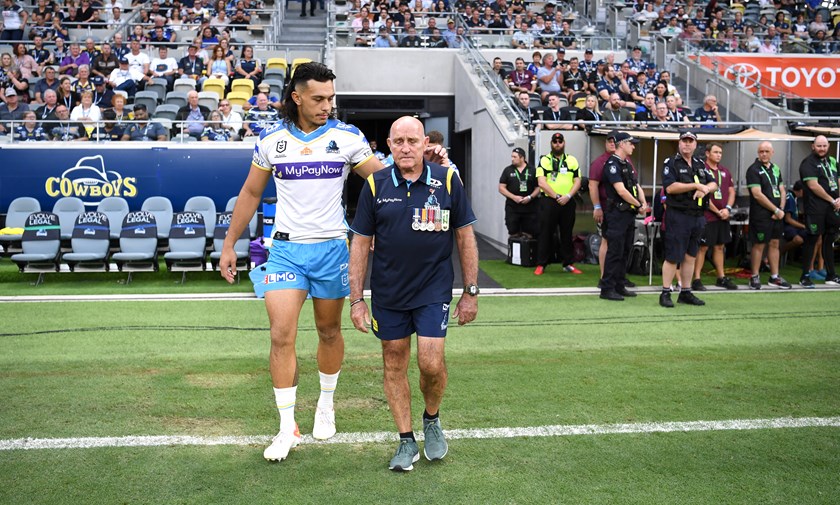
[(413, 296), (70, 64), (190, 118)]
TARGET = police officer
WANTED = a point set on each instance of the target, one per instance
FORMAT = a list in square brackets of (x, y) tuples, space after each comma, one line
[(687, 184), (624, 200), (559, 178), (518, 184), (819, 174)]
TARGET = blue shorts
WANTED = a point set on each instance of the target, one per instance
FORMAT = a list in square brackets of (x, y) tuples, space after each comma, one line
[(319, 269), (427, 321)]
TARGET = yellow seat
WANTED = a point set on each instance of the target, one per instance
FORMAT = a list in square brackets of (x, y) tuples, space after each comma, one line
[(737, 7), (299, 61), (238, 98), (580, 103), (215, 85), (243, 85), (277, 63)]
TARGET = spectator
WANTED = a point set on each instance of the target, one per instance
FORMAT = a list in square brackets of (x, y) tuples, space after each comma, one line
[(523, 101), (574, 81), (90, 49), (558, 175), (767, 197), (40, 54), (521, 79), (612, 83), (548, 76), (665, 76), (121, 115), (49, 82), (248, 66), (25, 63), (10, 110), (86, 113), (800, 29), (272, 100), (497, 68), (384, 39), (635, 62), (458, 40), (231, 120), (708, 112), (662, 117), (645, 112), (358, 19), (142, 129), (523, 39), (590, 112), (119, 49), (115, 19), (817, 24), (208, 37), (191, 65), (750, 43), (718, 231), (410, 39), (165, 67), (364, 35), (14, 21), (65, 93), (675, 115), (640, 88), (102, 96), (557, 113), (125, 78), (57, 31), (190, 118), (566, 38), (108, 131), (260, 117), (138, 61), (436, 41), (29, 131), (215, 130), (767, 46), (64, 130), (83, 82), (46, 112), (218, 67), (70, 64), (615, 111), (105, 63), (819, 44)]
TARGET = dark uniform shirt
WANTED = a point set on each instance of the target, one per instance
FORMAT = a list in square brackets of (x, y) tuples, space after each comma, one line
[(677, 170), (412, 266), (824, 171), (102, 135), (769, 179), (520, 184), (618, 170), (575, 81)]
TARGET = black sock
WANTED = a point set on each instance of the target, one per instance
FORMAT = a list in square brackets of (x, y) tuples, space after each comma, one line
[(409, 435), (666, 290), (430, 417)]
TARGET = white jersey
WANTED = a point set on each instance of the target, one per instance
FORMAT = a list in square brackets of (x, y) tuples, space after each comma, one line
[(309, 172)]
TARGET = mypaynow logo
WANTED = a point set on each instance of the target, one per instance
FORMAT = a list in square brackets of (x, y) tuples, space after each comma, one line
[(89, 181), (314, 170)]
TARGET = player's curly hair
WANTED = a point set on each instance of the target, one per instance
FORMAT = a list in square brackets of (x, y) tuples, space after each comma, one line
[(304, 72)]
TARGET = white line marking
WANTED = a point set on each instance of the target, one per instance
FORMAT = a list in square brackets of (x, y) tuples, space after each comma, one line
[(378, 437)]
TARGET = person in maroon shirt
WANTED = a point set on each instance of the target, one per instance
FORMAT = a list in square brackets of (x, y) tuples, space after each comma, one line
[(598, 195)]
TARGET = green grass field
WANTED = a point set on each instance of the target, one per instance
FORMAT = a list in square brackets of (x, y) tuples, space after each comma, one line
[(111, 369)]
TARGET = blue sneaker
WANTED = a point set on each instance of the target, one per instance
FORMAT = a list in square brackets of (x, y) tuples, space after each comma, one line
[(407, 454), (817, 275), (435, 446)]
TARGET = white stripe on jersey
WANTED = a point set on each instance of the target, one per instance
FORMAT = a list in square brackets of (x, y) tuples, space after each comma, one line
[(309, 173)]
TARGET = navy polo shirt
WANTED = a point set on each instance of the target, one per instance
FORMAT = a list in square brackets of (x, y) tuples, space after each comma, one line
[(412, 267)]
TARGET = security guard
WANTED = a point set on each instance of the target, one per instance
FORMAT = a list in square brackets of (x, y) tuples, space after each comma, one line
[(687, 184), (559, 178), (518, 184), (624, 200), (819, 174)]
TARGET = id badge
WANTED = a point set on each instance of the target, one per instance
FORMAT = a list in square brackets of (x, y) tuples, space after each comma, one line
[(776, 193), (718, 195), (832, 184), (553, 176), (523, 186)]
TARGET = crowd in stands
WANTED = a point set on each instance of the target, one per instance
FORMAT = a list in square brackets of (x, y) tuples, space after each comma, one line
[(51, 75)]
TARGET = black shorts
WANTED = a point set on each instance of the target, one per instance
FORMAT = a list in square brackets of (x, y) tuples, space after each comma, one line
[(716, 233), (791, 232), (683, 237), (822, 223), (765, 230)]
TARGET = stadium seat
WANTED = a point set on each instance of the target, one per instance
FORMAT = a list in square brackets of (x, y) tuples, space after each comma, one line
[(147, 98), (207, 208), (240, 247), (216, 86), (115, 207), (161, 208), (90, 242), (242, 86), (299, 61), (275, 85), (238, 98), (167, 125), (158, 85), (167, 111), (183, 138), (209, 99), (138, 241), (16, 215), (178, 98), (277, 63), (252, 224), (67, 209), (41, 242), (275, 74), (187, 239), (184, 84)]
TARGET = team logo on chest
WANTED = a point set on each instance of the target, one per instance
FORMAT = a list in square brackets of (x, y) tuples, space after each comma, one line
[(332, 147), (281, 146)]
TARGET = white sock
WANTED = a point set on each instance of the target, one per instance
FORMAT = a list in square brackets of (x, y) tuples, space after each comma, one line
[(285, 398), (328, 383)]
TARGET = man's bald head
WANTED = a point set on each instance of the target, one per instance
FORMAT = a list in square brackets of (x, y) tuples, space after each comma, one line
[(408, 142)]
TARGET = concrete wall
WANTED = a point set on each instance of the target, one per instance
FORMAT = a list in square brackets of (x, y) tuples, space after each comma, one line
[(403, 71)]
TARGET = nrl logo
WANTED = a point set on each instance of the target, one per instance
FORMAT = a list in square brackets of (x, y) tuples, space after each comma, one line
[(281, 146)]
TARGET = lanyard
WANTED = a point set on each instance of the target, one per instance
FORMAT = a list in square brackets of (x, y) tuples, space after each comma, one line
[(829, 173), (516, 173), (775, 180)]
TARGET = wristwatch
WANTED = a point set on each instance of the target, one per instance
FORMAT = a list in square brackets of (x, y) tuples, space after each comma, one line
[(471, 290)]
